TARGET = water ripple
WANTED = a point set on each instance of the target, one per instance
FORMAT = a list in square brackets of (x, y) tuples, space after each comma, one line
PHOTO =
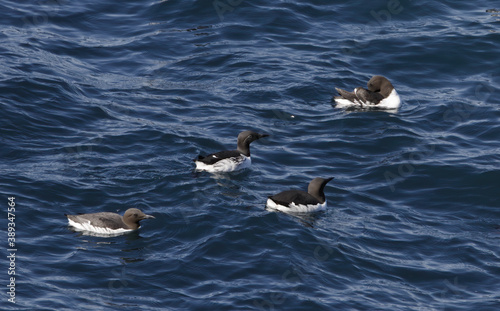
[(105, 105)]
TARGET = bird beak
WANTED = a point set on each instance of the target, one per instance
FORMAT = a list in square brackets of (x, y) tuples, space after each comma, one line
[(263, 135), (149, 217)]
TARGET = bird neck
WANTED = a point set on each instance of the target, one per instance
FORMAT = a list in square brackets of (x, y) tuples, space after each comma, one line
[(386, 89), (318, 193), (244, 148), (320, 196), (132, 225)]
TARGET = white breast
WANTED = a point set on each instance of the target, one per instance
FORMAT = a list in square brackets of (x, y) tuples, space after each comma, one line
[(391, 102)]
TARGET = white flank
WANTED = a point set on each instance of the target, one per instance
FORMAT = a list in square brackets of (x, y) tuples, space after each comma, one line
[(344, 103), (391, 102), (295, 208), (90, 228), (225, 165)]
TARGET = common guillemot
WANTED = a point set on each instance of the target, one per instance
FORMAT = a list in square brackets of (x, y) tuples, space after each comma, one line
[(230, 160), (380, 94), (108, 223), (298, 201)]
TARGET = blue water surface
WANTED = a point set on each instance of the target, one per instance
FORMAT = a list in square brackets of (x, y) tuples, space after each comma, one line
[(104, 104)]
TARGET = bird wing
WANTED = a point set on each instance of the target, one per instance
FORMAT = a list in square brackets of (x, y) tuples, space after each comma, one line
[(350, 96), (103, 220), (368, 97), (216, 157), (296, 196)]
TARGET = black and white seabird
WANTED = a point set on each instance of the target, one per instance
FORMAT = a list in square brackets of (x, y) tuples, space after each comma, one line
[(108, 223), (298, 201), (230, 160), (380, 94)]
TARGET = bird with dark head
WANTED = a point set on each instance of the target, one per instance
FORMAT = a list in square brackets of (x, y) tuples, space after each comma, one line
[(108, 223), (298, 201), (380, 94), (230, 160)]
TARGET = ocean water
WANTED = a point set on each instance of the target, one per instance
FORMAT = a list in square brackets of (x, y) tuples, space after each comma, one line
[(104, 104)]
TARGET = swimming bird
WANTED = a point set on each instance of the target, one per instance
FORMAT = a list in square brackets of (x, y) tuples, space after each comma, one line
[(298, 201), (380, 94), (108, 223), (230, 160)]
